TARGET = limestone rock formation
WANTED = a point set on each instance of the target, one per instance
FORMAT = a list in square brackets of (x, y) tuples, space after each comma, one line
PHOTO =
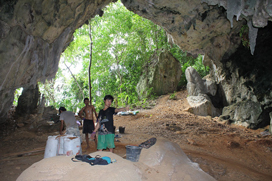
[(45, 121), (198, 91), (34, 33), (201, 105), (28, 101), (163, 161), (245, 113), (162, 75), (209, 28)]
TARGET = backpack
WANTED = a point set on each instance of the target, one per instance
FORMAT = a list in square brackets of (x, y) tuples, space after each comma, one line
[(97, 160)]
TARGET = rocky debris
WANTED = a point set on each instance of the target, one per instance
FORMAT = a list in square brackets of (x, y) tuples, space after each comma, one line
[(28, 100), (46, 121)]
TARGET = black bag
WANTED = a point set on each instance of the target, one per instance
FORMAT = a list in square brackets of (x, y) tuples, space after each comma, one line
[(92, 161), (98, 161), (84, 158)]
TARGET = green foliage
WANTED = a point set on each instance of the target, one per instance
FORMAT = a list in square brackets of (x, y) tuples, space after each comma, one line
[(244, 35), (173, 96), (17, 94), (122, 43)]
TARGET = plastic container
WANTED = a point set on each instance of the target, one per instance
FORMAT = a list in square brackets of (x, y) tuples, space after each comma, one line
[(133, 153), (60, 150), (121, 129), (72, 146), (51, 147), (62, 145)]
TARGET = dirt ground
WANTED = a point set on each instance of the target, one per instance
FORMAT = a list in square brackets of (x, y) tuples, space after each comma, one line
[(226, 152)]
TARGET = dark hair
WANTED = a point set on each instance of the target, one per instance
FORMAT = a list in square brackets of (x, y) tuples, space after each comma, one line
[(86, 99), (108, 97), (62, 109)]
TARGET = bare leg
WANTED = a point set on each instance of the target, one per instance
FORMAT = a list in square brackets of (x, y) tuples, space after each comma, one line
[(87, 140), (99, 150), (111, 150)]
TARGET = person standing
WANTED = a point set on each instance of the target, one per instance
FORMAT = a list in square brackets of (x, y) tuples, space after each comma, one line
[(88, 122), (105, 126)]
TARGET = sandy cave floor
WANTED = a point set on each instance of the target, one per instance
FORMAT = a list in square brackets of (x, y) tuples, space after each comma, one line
[(226, 152)]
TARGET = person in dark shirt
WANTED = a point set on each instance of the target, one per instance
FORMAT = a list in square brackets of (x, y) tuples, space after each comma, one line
[(105, 126)]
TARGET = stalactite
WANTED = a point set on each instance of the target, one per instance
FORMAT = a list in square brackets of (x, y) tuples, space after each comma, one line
[(234, 7), (252, 35)]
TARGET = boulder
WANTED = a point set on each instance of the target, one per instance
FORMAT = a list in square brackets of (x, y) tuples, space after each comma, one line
[(167, 161), (245, 113), (163, 161), (199, 91), (196, 85), (63, 168), (202, 106), (160, 76)]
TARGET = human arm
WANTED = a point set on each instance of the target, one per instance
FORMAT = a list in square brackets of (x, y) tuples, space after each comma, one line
[(80, 114), (95, 130), (121, 109), (61, 126), (95, 112)]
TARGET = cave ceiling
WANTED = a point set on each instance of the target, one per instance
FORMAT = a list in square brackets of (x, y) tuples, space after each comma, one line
[(33, 34)]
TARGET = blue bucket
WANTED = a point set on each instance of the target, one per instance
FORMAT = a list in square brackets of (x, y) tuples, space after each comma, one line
[(133, 153)]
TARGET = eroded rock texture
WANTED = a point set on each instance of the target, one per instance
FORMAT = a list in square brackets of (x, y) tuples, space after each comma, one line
[(212, 28), (34, 33), (162, 74)]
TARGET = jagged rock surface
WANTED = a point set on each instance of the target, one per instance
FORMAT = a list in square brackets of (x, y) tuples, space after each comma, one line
[(28, 100), (162, 74), (199, 91), (33, 35)]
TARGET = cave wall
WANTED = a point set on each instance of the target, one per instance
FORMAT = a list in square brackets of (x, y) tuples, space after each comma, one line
[(33, 34), (212, 28)]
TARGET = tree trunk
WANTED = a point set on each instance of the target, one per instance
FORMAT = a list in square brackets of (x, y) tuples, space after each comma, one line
[(90, 63), (75, 80)]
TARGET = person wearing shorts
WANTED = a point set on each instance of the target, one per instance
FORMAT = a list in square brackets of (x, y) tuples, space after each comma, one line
[(88, 123), (105, 125), (88, 126)]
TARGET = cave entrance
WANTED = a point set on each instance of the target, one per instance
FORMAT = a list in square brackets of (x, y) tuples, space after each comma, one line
[(17, 94), (122, 44)]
